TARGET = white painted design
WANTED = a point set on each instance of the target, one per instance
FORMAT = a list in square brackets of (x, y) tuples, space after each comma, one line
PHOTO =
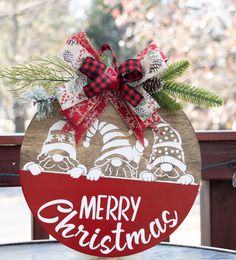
[(60, 137), (167, 144), (94, 174), (77, 171), (147, 176), (118, 156), (186, 179), (114, 144), (168, 165), (34, 168), (169, 159), (58, 154)]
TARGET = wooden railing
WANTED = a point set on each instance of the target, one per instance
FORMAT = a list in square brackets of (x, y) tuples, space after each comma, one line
[(218, 196)]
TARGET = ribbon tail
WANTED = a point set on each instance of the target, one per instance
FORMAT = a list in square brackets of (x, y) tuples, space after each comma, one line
[(129, 117), (77, 113), (82, 39), (139, 132), (152, 122), (90, 118)]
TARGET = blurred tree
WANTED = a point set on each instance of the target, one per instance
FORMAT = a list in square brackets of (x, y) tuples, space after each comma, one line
[(102, 27), (32, 28), (202, 31)]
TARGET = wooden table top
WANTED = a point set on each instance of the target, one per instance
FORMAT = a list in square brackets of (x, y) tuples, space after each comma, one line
[(52, 250)]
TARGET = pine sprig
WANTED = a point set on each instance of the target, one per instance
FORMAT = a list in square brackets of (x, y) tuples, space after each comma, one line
[(174, 70), (192, 94), (167, 102), (107, 60), (56, 64), (41, 99), (47, 72)]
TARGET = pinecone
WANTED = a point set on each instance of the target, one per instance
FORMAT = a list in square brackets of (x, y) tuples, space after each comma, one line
[(153, 85)]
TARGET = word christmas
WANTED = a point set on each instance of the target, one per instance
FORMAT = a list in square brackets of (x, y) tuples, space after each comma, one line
[(104, 207)]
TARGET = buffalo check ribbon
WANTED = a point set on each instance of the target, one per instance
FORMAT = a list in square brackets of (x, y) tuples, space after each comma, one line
[(107, 78), (84, 98)]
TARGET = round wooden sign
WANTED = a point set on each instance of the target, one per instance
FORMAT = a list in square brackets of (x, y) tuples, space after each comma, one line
[(110, 195)]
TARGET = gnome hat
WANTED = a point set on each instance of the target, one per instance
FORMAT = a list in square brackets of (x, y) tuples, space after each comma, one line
[(168, 147), (56, 140)]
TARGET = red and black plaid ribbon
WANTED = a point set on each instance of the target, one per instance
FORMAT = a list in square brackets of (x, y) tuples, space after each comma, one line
[(128, 71), (107, 47)]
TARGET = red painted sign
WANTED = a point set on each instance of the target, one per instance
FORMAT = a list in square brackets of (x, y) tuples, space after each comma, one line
[(110, 195), (109, 217)]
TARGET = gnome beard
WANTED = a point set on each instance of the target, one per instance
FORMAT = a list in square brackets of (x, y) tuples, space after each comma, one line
[(118, 167), (57, 161)]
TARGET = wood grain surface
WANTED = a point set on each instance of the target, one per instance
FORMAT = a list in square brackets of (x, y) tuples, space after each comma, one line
[(38, 132)]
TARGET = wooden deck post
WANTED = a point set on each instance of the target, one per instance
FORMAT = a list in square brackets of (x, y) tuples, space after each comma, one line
[(218, 196)]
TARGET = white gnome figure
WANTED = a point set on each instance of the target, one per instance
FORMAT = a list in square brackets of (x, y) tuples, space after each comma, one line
[(58, 154), (167, 160), (118, 157)]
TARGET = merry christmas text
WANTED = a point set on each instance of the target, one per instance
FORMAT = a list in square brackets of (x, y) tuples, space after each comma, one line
[(109, 208)]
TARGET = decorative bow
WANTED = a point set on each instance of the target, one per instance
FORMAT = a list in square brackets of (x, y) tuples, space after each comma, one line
[(107, 78), (82, 103)]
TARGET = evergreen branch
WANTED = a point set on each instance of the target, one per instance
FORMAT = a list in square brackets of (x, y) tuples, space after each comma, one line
[(107, 60), (175, 70), (167, 102), (57, 63), (47, 72), (192, 94)]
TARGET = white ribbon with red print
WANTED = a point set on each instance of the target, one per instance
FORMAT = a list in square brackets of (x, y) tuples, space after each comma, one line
[(75, 105)]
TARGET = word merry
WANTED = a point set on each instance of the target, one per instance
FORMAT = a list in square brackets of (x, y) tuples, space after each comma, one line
[(118, 238), (109, 207)]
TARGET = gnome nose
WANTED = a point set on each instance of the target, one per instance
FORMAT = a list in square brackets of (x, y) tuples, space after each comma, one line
[(57, 158), (166, 167), (116, 162)]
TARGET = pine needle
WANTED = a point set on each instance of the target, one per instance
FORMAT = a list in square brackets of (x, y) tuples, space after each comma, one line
[(192, 94), (46, 72), (175, 70), (107, 60), (167, 102)]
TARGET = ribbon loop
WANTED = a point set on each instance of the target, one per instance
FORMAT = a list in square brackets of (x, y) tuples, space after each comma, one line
[(131, 70), (131, 95), (107, 47), (102, 82), (92, 68)]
